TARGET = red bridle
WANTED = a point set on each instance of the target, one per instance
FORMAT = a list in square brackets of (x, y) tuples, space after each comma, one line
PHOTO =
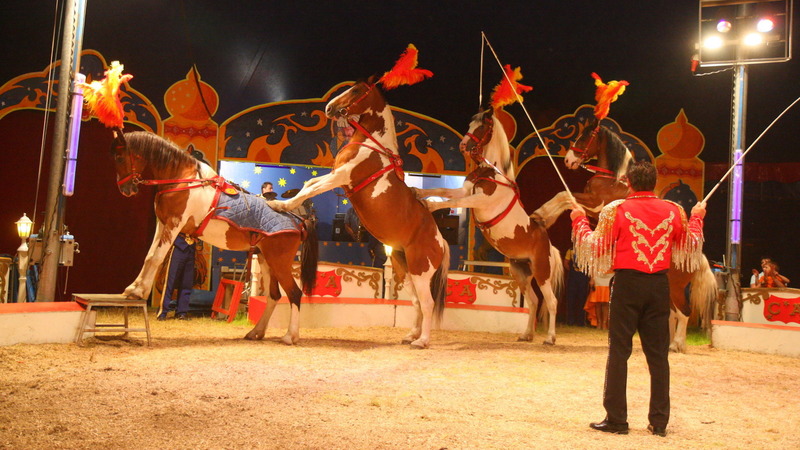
[(476, 153), (583, 152)]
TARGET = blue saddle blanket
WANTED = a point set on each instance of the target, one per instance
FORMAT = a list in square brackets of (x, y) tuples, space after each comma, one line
[(250, 212)]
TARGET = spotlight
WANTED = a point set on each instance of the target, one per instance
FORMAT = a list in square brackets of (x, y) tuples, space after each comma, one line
[(765, 25), (753, 39), (723, 26), (712, 42)]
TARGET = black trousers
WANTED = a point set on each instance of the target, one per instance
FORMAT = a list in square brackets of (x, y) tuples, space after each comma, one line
[(639, 302)]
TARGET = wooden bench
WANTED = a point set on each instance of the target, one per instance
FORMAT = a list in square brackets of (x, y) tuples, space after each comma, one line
[(90, 301)]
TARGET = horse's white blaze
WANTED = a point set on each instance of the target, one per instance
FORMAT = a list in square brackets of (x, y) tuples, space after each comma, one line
[(571, 160)]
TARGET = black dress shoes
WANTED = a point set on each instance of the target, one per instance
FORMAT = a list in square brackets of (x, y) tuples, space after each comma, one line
[(658, 431), (608, 427)]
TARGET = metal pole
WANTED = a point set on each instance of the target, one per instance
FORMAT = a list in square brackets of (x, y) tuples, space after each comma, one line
[(735, 187), (53, 223)]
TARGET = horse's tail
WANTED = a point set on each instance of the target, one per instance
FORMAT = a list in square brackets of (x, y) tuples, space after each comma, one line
[(309, 257), (704, 292), (556, 271), (439, 285)]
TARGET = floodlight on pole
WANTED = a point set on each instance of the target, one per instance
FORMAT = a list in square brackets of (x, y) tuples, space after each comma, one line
[(24, 227), (738, 33)]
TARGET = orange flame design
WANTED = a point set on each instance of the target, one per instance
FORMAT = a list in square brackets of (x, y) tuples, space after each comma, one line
[(405, 70), (606, 94), (507, 91), (102, 97)]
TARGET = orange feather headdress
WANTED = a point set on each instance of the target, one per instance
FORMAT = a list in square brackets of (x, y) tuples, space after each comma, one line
[(507, 91), (405, 70), (606, 94), (102, 97)]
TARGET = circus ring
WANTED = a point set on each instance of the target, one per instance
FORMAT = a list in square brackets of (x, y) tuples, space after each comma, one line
[(770, 323)]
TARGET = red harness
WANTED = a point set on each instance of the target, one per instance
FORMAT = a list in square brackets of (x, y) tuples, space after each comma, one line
[(395, 161), (492, 222), (477, 155)]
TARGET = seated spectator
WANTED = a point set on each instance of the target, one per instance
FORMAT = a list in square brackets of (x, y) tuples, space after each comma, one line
[(771, 278)]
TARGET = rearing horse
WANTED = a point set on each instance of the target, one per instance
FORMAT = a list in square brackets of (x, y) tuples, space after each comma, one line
[(493, 195), (369, 168), (187, 199), (606, 186)]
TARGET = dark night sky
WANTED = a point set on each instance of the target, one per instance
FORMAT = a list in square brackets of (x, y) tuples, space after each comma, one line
[(255, 52)]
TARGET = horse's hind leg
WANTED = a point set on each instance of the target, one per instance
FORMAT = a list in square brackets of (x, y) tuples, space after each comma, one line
[(521, 272), (286, 280), (269, 285), (678, 332), (420, 334), (551, 302)]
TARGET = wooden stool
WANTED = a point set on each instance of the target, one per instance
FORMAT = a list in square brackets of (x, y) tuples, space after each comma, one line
[(90, 301)]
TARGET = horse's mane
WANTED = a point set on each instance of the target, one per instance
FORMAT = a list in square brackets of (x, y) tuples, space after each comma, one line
[(159, 152), (616, 150)]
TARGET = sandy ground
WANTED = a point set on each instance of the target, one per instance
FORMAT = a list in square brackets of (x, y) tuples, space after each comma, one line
[(201, 386)]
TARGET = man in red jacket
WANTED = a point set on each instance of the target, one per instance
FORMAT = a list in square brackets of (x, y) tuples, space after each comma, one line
[(638, 238)]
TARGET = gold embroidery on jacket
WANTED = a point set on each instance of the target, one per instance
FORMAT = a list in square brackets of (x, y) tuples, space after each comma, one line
[(639, 229)]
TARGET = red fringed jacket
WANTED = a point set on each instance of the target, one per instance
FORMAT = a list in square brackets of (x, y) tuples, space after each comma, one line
[(641, 232)]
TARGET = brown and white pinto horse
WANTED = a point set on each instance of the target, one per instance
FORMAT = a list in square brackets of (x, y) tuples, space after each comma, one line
[(369, 169), (493, 195), (597, 141), (185, 200)]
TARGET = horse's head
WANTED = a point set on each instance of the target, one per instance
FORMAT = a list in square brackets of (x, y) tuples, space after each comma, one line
[(127, 164), (585, 147), (362, 96), (480, 133)]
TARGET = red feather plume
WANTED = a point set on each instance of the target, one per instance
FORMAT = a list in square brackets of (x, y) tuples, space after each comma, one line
[(102, 97), (507, 91), (405, 70), (606, 94)]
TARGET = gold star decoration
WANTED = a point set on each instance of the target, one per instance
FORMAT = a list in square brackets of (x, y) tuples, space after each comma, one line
[(258, 169), (344, 201), (292, 171), (282, 182), (314, 172)]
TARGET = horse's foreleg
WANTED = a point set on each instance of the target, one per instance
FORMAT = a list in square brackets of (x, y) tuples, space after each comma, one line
[(313, 187), (162, 242), (440, 192), (553, 208), (476, 201)]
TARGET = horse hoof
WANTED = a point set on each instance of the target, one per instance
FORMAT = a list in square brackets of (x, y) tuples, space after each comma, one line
[(288, 340), (253, 336), (525, 339), (549, 342), (419, 345)]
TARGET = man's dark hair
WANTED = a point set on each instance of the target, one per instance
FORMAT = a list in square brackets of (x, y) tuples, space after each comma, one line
[(642, 176), (265, 184)]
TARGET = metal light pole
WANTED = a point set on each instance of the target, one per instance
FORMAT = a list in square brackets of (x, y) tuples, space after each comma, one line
[(72, 38), (735, 186), (738, 33)]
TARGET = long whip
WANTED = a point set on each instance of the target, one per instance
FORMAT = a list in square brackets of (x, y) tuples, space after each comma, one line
[(519, 100), (741, 157)]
